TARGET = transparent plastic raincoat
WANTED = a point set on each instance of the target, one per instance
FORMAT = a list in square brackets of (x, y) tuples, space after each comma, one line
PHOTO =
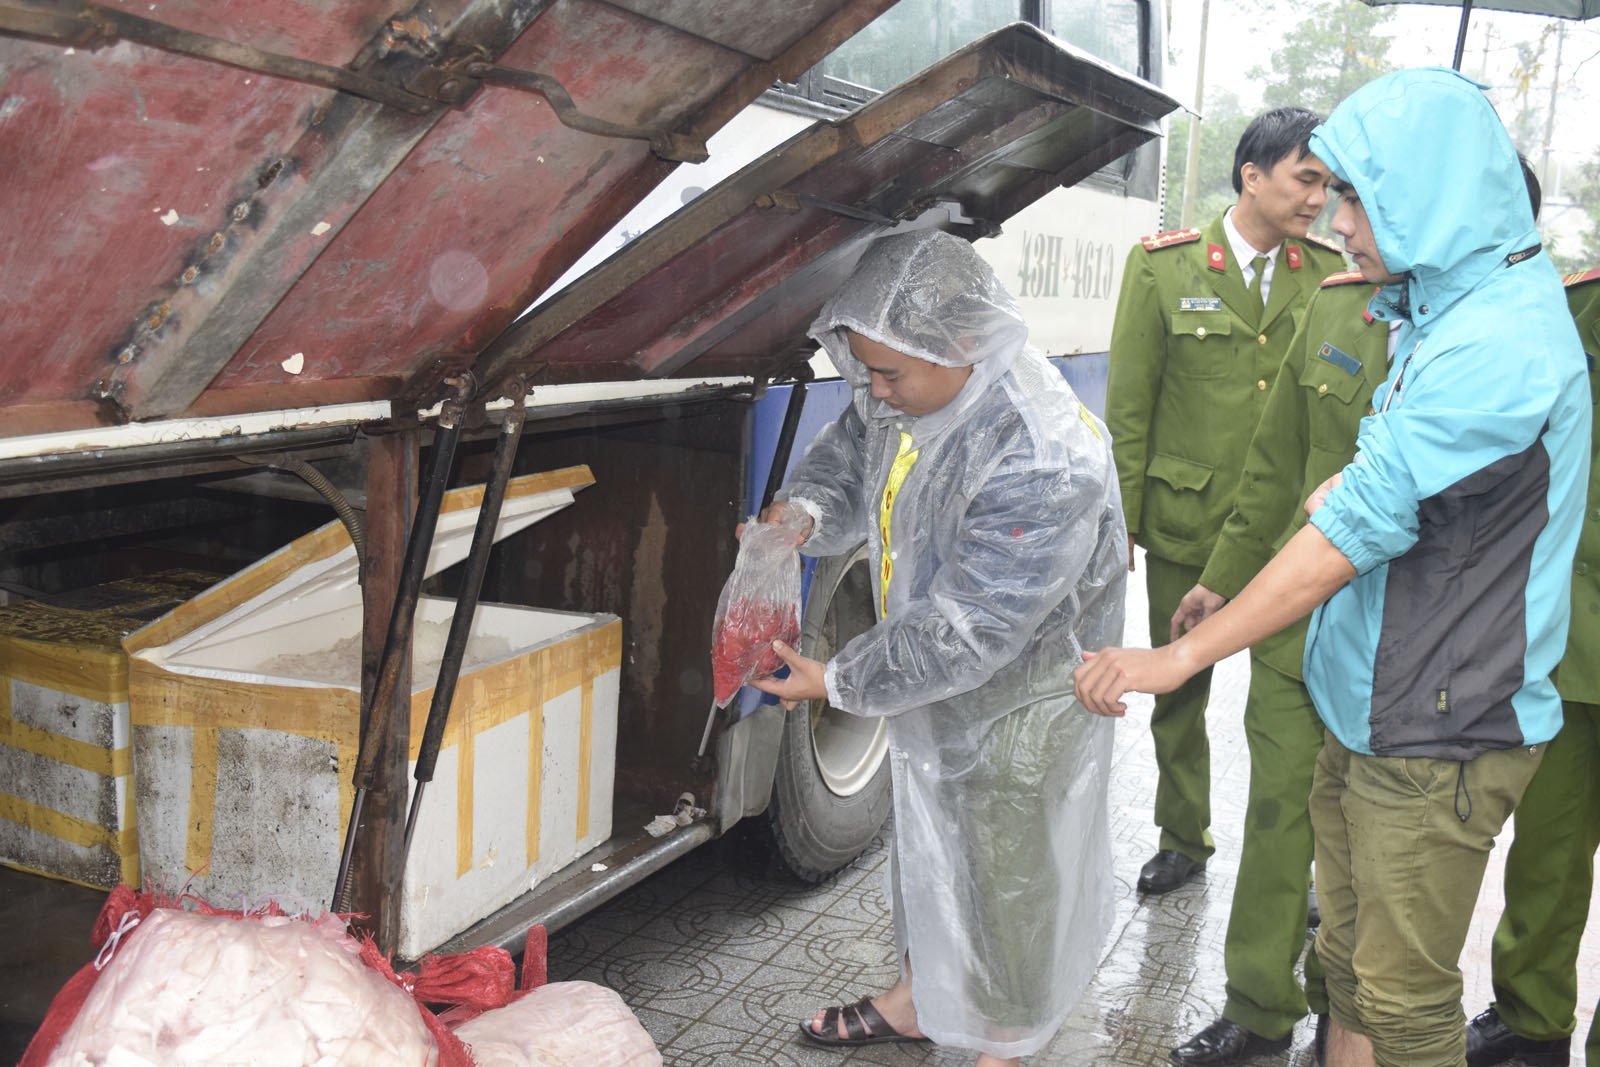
[(1007, 557)]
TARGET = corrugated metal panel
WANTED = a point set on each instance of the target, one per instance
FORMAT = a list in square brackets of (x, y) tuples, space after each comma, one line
[(184, 236)]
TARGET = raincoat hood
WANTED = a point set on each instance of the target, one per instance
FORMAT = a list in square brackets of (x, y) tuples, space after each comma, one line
[(929, 295), (1439, 179)]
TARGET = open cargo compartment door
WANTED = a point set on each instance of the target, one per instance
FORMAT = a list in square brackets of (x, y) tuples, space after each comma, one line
[(242, 206), (729, 284)]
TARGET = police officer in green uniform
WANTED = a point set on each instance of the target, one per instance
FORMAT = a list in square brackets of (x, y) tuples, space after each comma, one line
[(1306, 435), (1202, 324), (1550, 866)]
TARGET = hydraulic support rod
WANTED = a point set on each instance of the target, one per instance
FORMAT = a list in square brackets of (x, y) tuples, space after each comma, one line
[(375, 727), (791, 423), (494, 495)]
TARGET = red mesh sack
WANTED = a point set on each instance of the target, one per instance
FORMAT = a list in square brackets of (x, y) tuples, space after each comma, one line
[(150, 946)]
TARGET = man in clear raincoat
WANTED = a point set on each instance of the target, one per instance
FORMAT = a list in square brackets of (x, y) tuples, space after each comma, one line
[(988, 498)]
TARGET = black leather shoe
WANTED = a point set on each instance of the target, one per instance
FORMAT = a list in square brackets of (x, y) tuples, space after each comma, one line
[(1225, 1042), (1491, 1041), (1319, 1041), (1166, 871), (1313, 913)]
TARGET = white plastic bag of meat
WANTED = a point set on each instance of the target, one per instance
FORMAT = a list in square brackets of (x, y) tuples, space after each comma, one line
[(563, 1024), (188, 989)]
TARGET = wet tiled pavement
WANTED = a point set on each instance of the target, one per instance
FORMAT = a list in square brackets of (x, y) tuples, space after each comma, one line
[(720, 962)]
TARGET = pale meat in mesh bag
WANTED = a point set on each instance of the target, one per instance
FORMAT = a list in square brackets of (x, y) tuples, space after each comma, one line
[(188, 989), (563, 1024)]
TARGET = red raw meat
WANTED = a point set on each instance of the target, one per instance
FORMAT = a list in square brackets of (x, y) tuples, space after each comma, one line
[(741, 649)]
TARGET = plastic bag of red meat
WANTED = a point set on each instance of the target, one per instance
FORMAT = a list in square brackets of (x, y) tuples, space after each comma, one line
[(760, 603)]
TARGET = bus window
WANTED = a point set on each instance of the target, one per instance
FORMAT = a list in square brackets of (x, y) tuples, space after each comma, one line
[(908, 37), (1061, 256), (914, 33), (1114, 30)]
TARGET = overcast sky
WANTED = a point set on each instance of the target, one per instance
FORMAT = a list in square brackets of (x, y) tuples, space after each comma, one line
[(1243, 33)]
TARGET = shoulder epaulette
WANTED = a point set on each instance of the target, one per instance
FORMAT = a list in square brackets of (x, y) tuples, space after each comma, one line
[(1344, 277), (1581, 279), (1168, 239), (1323, 243)]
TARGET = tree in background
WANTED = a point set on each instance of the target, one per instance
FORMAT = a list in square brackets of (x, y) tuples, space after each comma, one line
[(1220, 130), (1529, 115), (1337, 46), (1586, 194), (1335, 50)]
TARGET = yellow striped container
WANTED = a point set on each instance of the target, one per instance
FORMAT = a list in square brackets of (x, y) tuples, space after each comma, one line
[(244, 741), (66, 792)]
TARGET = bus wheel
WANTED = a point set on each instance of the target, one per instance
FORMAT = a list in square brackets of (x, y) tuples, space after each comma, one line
[(830, 795)]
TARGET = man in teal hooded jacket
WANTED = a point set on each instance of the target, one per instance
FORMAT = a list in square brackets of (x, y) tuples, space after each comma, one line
[(1437, 563)]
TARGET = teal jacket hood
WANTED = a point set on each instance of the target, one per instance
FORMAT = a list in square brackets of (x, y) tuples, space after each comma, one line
[(1440, 181)]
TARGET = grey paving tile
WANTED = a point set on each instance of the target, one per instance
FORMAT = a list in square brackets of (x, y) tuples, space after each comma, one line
[(708, 1043), (843, 947), (721, 961), (578, 943), (716, 923)]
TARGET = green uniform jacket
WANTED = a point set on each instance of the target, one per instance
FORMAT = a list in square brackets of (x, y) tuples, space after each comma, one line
[(1192, 358), (1305, 436), (1578, 674)]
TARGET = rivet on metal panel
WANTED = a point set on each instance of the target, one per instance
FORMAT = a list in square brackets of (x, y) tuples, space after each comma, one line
[(158, 316), (454, 90), (267, 176), (215, 244), (411, 34), (125, 356), (781, 199), (241, 211), (190, 275)]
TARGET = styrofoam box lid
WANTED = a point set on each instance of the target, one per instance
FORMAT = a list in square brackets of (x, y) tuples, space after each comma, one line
[(288, 599)]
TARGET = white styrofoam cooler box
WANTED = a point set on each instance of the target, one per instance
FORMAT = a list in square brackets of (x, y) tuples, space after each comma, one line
[(245, 710), (66, 785)]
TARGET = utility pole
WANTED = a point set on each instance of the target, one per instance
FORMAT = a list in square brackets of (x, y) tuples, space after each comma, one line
[(1191, 168), (1550, 116)]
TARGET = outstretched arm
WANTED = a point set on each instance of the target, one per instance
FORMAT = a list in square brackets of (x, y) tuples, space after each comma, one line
[(1306, 572)]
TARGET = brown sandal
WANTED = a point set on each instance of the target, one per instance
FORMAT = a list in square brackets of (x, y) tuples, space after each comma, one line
[(865, 1027)]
